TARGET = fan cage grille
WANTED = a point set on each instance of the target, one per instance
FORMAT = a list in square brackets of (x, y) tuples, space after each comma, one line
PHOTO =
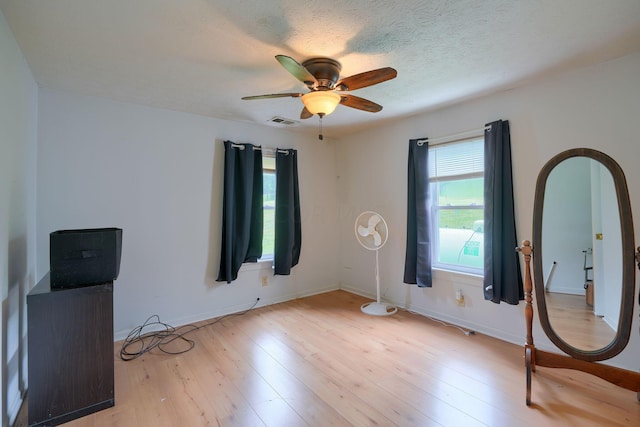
[(381, 227)]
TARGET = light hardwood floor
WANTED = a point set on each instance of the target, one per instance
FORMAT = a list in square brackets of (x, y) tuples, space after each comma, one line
[(319, 361)]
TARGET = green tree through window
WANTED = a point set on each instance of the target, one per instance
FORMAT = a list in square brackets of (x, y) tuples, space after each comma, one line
[(269, 206)]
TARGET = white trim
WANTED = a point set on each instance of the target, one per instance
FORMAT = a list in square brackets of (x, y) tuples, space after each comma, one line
[(237, 308), (458, 276), (474, 133), (261, 264), (444, 317)]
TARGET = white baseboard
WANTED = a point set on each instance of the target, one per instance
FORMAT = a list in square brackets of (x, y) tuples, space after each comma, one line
[(120, 335), (446, 318), (443, 317)]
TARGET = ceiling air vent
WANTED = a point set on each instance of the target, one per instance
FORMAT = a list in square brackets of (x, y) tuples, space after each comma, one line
[(282, 121)]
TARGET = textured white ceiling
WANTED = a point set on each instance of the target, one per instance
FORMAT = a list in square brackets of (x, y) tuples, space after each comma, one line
[(202, 56)]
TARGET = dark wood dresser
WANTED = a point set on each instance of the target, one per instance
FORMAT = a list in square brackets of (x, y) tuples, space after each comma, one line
[(71, 359)]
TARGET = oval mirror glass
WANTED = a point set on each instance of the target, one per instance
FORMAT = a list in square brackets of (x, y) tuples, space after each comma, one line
[(584, 255)]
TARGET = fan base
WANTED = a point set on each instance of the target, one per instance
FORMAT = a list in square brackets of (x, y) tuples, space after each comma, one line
[(378, 309)]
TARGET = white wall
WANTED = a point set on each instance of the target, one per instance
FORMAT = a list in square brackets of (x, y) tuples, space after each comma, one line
[(157, 174), (595, 107), (566, 235), (18, 127)]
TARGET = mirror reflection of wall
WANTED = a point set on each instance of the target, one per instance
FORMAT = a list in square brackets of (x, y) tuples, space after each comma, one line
[(566, 228), (582, 248)]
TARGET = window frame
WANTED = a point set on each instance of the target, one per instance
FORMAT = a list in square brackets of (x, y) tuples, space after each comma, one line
[(435, 208), (268, 168)]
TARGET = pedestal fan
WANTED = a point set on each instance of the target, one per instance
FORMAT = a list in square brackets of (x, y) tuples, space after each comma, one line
[(372, 233)]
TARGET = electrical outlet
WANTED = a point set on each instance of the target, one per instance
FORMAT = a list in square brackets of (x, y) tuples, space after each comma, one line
[(459, 297), (265, 280)]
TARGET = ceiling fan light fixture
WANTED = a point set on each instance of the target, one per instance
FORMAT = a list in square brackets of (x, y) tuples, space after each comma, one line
[(321, 102)]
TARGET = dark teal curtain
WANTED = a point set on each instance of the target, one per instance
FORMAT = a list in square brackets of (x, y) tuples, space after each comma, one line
[(417, 263), (502, 275), (288, 235), (242, 214)]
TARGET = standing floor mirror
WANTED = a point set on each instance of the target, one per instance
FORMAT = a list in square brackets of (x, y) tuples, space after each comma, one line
[(584, 267)]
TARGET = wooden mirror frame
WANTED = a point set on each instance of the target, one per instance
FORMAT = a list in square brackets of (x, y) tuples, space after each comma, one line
[(628, 257), (577, 359)]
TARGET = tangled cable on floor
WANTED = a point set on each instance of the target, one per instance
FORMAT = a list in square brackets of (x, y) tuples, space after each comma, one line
[(467, 332), (139, 342)]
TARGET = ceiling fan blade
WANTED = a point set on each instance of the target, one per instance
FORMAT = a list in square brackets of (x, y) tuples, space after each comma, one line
[(367, 78), (273, 95), (305, 114), (359, 103), (296, 69)]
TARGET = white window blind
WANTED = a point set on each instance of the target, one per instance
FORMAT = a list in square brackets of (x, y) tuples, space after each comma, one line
[(456, 159)]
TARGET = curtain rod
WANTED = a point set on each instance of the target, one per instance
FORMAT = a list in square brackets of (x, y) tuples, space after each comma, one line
[(454, 137), (266, 150)]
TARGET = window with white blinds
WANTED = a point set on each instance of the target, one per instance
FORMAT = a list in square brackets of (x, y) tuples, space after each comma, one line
[(456, 159), (456, 201)]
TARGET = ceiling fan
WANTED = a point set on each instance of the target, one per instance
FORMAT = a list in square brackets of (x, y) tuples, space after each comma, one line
[(322, 77)]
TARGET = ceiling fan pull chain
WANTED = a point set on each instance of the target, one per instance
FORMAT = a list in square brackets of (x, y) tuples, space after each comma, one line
[(320, 137)]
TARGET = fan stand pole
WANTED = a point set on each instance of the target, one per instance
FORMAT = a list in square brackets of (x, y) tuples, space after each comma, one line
[(378, 308), (377, 279)]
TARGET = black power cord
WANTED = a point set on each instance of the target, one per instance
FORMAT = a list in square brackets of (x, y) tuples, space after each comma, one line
[(139, 342)]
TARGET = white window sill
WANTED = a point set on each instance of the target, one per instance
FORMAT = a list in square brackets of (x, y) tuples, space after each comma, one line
[(458, 277), (262, 264)]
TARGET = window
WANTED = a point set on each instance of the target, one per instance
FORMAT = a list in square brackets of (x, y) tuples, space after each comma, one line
[(268, 206), (456, 188)]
